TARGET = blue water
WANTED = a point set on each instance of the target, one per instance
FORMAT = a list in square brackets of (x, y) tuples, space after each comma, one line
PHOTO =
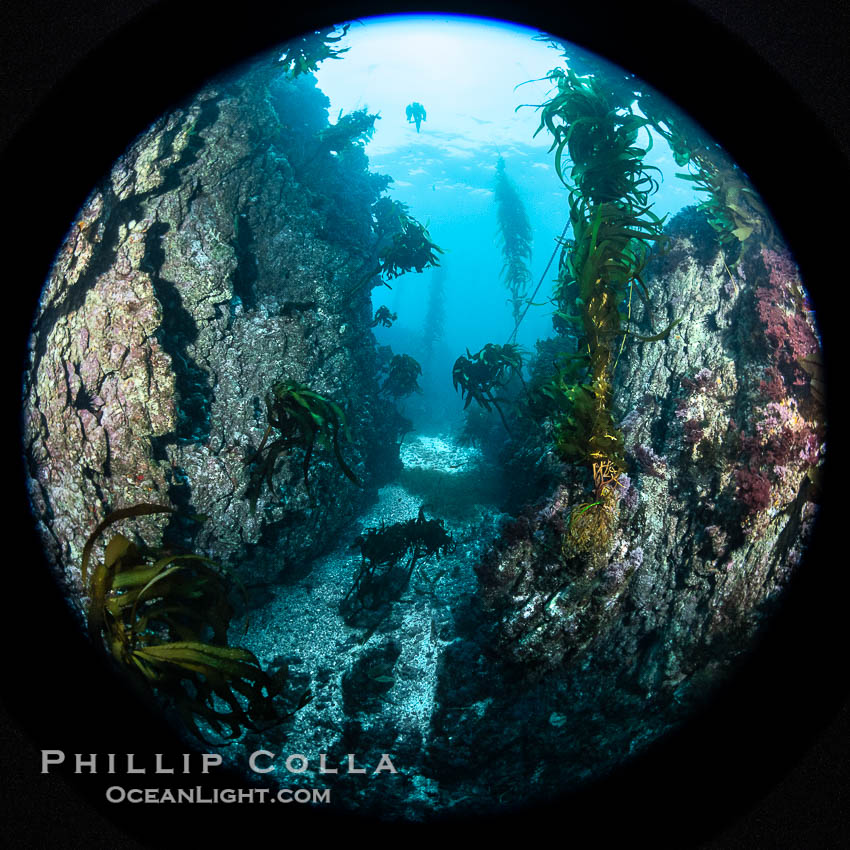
[(445, 173)]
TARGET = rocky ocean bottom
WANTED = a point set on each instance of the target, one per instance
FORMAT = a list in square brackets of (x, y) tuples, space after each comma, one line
[(373, 676)]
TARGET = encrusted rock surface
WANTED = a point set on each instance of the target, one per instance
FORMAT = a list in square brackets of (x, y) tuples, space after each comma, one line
[(622, 641), (200, 272)]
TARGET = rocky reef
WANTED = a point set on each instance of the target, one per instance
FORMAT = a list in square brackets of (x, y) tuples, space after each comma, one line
[(617, 633), (540, 654), (214, 260), (225, 262)]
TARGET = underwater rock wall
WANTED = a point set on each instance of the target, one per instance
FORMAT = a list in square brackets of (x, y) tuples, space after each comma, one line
[(723, 432), (610, 636), (200, 272), (723, 427)]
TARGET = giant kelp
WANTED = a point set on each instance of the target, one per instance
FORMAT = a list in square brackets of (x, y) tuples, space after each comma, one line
[(302, 418), (480, 376), (402, 376), (164, 616), (732, 206), (515, 237), (435, 317), (304, 53), (560, 575), (383, 576), (595, 128), (328, 159), (400, 244), (352, 128), (404, 243)]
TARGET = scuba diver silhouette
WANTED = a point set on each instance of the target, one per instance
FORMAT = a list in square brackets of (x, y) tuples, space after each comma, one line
[(415, 112)]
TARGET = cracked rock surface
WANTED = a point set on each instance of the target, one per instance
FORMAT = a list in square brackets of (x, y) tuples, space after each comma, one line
[(199, 273), (724, 427)]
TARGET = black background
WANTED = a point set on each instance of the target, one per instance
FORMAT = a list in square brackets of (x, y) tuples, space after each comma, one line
[(767, 765)]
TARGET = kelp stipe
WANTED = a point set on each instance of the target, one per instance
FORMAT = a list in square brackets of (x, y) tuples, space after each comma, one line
[(435, 317)]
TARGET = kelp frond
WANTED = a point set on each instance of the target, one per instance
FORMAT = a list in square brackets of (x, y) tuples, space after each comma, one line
[(599, 133), (304, 53), (381, 577), (302, 418), (352, 128), (404, 243), (480, 376), (402, 376), (164, 617), (733, 208)]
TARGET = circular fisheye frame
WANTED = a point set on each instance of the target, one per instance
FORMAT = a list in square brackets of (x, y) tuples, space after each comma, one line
[(424, 438)]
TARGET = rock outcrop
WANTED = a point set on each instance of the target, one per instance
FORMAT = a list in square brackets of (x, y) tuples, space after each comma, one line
[(224, 252), (611, 636)]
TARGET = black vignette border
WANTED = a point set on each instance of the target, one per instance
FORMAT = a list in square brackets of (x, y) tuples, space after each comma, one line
[(51, 49)]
